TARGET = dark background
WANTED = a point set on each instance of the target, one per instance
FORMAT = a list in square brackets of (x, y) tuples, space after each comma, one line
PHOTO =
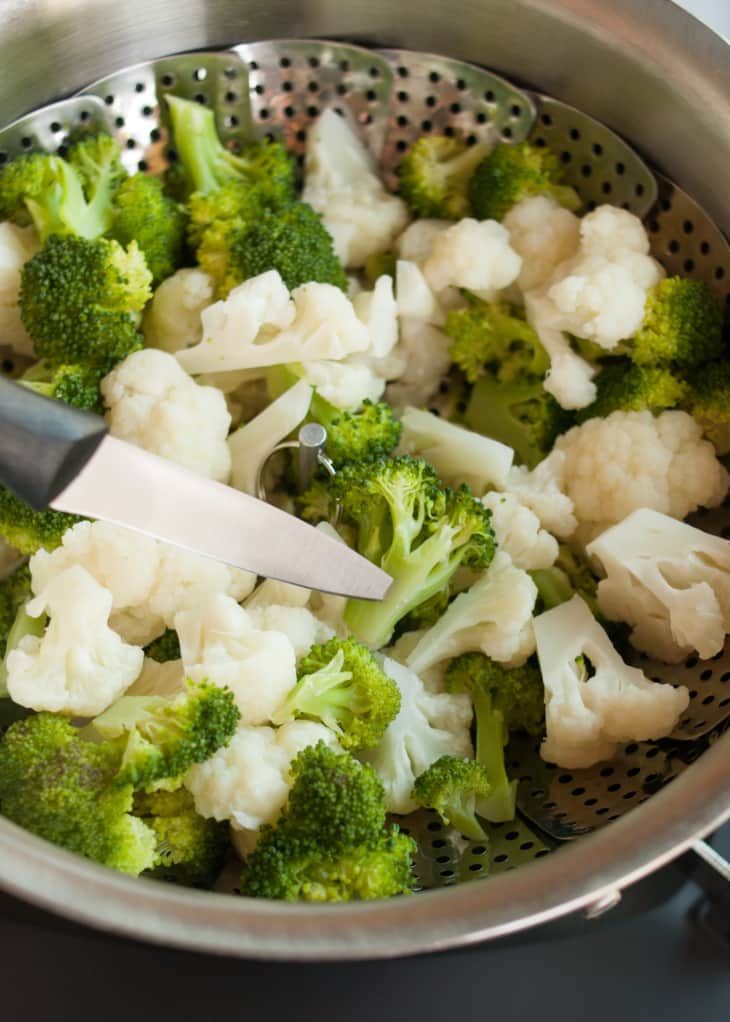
[(657, 965)]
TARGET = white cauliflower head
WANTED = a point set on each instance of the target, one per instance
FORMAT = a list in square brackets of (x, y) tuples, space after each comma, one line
[(341, 183), (378, 310), (153, 403), (299, 624), (347, 383), (429, 725), (248, 781), (17, 245), (415, 296), (472, 254), (172, 319), (630, 460), (518, 532), (669, 581), (218, 641), (426, 359), (493, 616), (79, 666), (458, 455), (570, 377), (543, 233), (542, 491), (588, 714), (415, 243)]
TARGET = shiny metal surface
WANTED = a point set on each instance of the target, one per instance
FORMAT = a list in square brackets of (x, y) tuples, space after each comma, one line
[(662, 81), (131, 487)]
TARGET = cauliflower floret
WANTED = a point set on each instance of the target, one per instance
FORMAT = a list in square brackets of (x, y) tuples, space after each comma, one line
[(429, 725), (588, 715), (172, 320), (247, 781), (299, 625), (669, 581), (79, 666), (458, 455), (378, 310), (541, 490), (416, 241), (415, 297), (218, 641), (251, 444), (544, 234), (425, 351), (281, 594), (159, 679), (472, 254), (518, 533), (153, 403), (599, 293), (493, 616), (630, 460), (17, 245), (345, 384), (342, 184), (569, 378)]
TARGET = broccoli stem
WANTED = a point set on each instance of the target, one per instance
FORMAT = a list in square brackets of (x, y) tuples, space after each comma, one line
[(499, 805), (197, 143)]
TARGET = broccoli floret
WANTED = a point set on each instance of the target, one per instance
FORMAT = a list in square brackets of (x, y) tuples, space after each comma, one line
[(331, 842), (265, 166), (452, 786), (520, 414), (489, 337), (292, 240), (513, 172), (570, 574), (416, 531), (317, 503), (167, 647), (505, 700), (435, 173), (371, 433), (144, 214), (80, 300), (75, 385), (190, 849), (708, 399), (682, 325), (342, 685), (380, 264), (161, 738), (14, 591), (65, 789), (28, 530), (234, 204), (620, 385), (60, 196)]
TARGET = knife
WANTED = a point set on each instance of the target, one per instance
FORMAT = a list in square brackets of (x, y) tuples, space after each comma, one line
[(52, 455)]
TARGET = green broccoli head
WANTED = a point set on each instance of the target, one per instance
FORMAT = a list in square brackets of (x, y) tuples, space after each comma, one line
[(416, 531), (520, 414), (493, 338), (58, 196), (452, 786), (145, 215), (265, 166), (14, 591), (75, 385), (514, 172), (620, 385), (190, 849), (331, 842), (234, 204), (292, 240), (708, 399), (435, 173), (504, 700), (161, 738), (682, 325), (371, 433), (80, 300), (342, 685), (65, 789), (316, 504), (167, 647), (28, 530)]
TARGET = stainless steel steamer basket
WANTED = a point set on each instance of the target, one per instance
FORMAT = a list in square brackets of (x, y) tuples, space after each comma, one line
[(651, 73)]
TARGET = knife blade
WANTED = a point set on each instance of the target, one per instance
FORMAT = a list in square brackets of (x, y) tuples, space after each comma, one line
[(131, 487)]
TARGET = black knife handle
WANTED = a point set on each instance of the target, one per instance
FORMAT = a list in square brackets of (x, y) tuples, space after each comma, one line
[(44, 443)]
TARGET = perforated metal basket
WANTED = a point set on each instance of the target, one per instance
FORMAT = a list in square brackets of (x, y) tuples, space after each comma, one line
[(393, 96)]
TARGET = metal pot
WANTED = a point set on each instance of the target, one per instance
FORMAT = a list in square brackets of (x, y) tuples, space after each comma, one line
[(654, 75)]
